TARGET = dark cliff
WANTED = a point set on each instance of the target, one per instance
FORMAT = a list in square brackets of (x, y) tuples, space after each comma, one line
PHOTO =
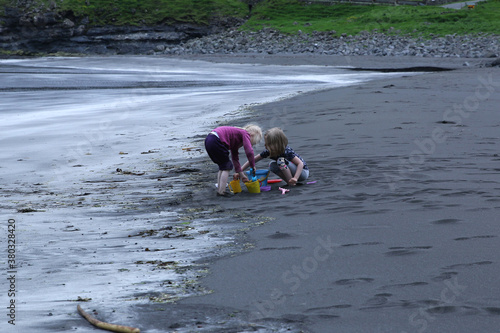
[(64, 32)]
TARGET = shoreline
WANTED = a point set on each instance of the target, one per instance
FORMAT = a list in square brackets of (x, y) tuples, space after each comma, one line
[(389, 254), (106, 210)]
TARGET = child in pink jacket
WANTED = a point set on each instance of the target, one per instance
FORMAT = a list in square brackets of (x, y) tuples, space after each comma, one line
[(226, 139)]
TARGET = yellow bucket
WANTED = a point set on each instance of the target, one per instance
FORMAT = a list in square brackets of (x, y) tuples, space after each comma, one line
[(234, 186), (253, 187)]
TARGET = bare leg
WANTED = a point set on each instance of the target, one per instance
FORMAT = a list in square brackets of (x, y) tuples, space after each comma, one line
[(285, 174), (222, 181)]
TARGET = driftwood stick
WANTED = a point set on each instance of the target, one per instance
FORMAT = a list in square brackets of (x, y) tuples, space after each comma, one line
[(107, 326)]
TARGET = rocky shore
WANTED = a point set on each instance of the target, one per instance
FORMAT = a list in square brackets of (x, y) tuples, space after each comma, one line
[(329, 43)]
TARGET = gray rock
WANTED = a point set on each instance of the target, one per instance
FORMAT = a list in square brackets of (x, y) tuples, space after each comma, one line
[(270, 41), (494, 63), (67, 24)]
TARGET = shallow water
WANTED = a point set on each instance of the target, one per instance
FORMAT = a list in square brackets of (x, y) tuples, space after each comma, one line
[(86, 144)]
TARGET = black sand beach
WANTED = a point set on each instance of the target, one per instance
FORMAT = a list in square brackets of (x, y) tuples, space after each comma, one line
[(399, 233)]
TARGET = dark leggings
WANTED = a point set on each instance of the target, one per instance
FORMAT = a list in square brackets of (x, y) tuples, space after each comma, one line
[(218, 152)]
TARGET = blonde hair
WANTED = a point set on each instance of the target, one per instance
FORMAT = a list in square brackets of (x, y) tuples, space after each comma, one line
[(276, 141), (255, 133)]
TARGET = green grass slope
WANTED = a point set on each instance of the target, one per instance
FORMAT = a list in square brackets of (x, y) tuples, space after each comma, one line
[(140, 12), (290, 16)]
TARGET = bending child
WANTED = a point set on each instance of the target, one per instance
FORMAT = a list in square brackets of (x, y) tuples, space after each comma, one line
[(287, 164), (225, 139)]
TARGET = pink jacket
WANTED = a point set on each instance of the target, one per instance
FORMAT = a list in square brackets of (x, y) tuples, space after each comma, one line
[(234, 138)]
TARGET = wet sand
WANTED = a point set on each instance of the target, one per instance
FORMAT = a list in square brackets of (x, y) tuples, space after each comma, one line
[(398, 234)]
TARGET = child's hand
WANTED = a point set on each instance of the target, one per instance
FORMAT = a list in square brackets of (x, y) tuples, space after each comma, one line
[(242, 176), (293, 181), (236, 176)]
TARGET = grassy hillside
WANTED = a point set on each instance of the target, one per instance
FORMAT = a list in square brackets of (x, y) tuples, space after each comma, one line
[(288, 16), (291, 15), (141, 12)]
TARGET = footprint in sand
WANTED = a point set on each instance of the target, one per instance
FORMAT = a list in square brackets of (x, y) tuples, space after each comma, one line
[(281, 248), (378, 300), (280, 235), (442, 309), (467, 265), (493, 311), (406, 251), (357, 244), (344, 282), (404, 285), (446, 221), (474, 237), (444, 276), (326, 311)]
